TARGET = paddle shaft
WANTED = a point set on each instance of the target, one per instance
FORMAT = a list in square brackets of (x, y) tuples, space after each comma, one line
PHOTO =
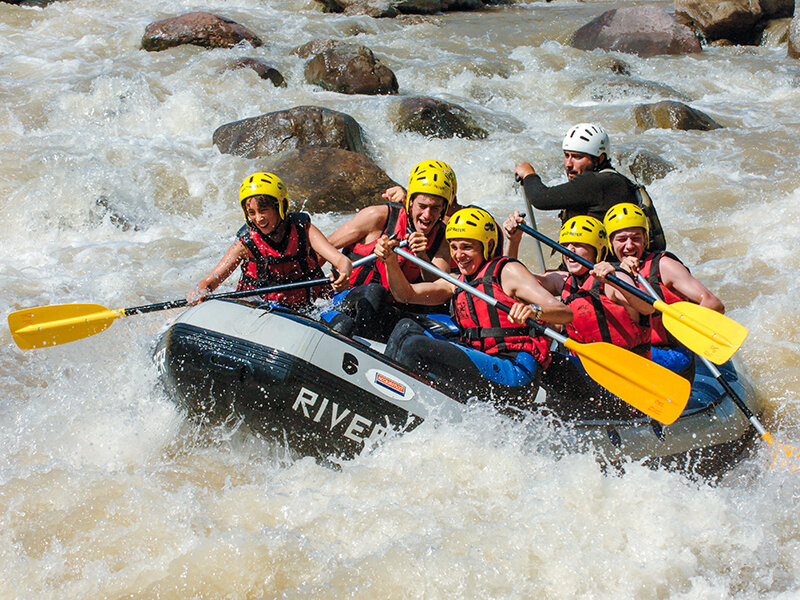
[(136, 310), (652, 389), (716, 373), (539, 253)]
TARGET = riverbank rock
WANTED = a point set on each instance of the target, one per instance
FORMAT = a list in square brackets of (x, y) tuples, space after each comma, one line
[(348, 69), (672, 115), (436, 118), (329, 179), (199, 29), (290, 129), (393, 8), (739, 21), (794, 38), (642, 30), (263, 69)]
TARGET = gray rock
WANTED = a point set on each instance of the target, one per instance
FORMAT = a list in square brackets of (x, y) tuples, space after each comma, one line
[(616, 65), (616, 87), (318, 46), (329, 179), (436, 118), (350, 69), (646, 166), (282, 130), (642, 30), (672, 115), (196, 28)]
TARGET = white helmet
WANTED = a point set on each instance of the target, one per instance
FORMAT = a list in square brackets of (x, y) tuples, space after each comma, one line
[(587, 138)]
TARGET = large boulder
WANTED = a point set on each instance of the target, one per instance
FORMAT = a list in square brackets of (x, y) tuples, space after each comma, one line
[(199, 29), (329, 179), (436, 118), (739, 21), (642, 30), (794, 38), (350, 69), (672, 115), (732, 20), (290, 129)]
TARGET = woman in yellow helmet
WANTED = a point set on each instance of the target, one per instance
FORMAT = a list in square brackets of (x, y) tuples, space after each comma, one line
[(275, 246), (602, 312), (628, 236), (493, 347)]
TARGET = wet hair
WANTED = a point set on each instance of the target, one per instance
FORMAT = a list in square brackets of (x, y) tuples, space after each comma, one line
[(264, 201), (604, 164)]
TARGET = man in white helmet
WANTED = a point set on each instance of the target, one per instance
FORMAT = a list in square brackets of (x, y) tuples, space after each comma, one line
[(593, 187)]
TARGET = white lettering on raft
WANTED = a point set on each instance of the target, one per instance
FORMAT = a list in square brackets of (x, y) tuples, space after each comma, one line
[(357, 426)]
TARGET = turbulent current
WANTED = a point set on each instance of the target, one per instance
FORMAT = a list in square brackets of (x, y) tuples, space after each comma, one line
[(112, 192)]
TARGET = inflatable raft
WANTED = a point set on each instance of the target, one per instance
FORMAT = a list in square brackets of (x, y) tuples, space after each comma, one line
[(293, 379)]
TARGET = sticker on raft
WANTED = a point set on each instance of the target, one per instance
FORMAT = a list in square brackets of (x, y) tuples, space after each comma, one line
[(389, 386)]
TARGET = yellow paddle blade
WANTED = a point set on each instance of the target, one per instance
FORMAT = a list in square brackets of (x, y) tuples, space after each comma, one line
[(702, 330), (654, 390), (59, 323), (785, 456)]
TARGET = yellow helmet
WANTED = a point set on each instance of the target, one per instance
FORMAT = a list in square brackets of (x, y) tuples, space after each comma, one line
[(264, 184), (432, 177), (585, 230), (622, 216), (452, 174), (475, 224)]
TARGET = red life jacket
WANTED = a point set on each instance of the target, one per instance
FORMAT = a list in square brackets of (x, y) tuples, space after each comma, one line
[(396, 223), (651, 270), (488, 329), (598, 319), (289, 260)]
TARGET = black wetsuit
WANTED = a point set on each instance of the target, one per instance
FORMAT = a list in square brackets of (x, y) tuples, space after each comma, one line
[(591, 193)]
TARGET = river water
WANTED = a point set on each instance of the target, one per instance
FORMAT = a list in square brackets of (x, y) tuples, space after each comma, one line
[(111, 192)]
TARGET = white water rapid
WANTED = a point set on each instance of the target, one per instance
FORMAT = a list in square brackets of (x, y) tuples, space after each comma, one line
[(107, 491)]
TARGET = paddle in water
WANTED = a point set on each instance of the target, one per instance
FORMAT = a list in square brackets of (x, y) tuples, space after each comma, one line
[(648, 387), (783, 453), (56, 324), (702, 330)]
